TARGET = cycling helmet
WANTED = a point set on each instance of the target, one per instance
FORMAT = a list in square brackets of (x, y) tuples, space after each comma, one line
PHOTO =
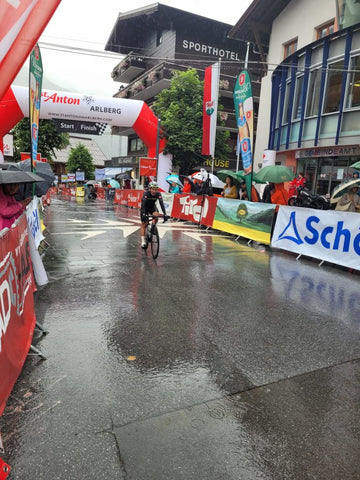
[(153, 185)]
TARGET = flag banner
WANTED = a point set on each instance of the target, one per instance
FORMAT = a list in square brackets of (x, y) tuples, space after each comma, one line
[(252, 220), (243, 103), (210, 106), (17, 320), (21, 24), (326, 235), (148, 167), (33, 219), (35, 82)]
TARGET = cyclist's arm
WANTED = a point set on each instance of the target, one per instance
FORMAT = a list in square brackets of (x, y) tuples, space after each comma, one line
[(143, 207), (161, 201)]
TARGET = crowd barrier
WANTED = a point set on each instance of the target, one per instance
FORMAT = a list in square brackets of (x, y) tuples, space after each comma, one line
[(329, 235)]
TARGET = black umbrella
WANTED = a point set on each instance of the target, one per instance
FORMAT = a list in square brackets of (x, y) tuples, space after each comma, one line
[(44, 171), (16, 176)]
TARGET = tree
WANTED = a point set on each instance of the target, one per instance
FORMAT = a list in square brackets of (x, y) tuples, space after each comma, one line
[(81, 159), (180, 108), (49, 139)]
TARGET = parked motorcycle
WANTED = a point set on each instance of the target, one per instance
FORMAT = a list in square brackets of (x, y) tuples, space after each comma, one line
[(305, 198)]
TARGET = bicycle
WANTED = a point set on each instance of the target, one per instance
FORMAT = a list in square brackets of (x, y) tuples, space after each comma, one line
[(152, 235)]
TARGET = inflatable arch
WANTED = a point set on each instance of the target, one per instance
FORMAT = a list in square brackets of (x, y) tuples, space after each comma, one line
[(90, 108)]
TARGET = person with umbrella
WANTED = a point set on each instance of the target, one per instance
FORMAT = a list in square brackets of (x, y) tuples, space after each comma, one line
[(10, 208), (350, 201), (229, 190)]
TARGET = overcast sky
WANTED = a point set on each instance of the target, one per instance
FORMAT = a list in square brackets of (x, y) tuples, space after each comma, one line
[(88, 24)]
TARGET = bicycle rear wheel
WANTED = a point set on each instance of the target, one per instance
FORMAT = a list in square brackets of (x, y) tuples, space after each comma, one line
[(155, 242)]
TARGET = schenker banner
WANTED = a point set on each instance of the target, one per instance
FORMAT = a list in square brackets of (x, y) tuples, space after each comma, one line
[(21, 24), (17, 316)]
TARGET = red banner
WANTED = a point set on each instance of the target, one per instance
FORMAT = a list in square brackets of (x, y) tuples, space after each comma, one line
[(195, 208), (134, 198), (121, 197), (17, 314), (148, 167), (21, 24)]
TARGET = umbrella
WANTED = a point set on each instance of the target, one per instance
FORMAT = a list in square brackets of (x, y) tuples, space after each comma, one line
[(114, 184), (174, 179), (355, 165), (203, 175), (342, 188), (44, 171), (91, 182), (236, 176), (274, 174), (124, 175), (16, 176)]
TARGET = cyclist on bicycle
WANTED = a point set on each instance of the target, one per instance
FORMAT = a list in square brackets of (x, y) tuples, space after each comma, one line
[(148, 207)]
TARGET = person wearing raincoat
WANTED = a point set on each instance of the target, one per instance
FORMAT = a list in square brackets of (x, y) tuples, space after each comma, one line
[(279, 195), (174, 188)]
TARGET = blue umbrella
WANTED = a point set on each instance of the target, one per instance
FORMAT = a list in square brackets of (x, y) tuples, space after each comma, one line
[(174, 179), (114, 184)]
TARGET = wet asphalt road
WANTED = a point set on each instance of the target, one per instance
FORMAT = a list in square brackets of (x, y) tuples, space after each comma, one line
[(217, 361)]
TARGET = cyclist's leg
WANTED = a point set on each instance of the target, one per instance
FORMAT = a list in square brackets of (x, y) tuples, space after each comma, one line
[(142, 232)]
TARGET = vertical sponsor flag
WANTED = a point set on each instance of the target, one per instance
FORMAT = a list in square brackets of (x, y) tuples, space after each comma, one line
[(35, 81), (210, 105), (243, 102)]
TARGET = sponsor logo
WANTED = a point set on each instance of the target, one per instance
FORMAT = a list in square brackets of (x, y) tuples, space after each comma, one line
[(191, 207), (331, 237), (55, 98)]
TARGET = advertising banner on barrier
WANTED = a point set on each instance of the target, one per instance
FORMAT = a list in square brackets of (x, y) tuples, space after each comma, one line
[(326, 235), (17, 315), (33, 219), (250, 220), (168, 199), (195, 208), (134, 198)]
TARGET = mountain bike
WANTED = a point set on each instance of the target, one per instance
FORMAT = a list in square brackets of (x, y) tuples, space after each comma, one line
[(152, 235)]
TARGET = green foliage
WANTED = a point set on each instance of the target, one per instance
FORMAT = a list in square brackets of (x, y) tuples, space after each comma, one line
[(49, 139), (81, 159), (180, 109)]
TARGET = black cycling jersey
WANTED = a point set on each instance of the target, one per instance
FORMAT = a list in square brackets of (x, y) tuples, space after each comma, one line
[(148, 203)]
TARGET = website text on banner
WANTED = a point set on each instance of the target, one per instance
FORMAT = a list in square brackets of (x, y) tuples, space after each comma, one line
[(250, 220), (17, 315), (194, 208), (326, 235)]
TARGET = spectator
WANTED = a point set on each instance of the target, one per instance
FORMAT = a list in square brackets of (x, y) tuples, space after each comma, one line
[(266, 198), (188, 186), (127, 184), (279, 195), (244, 195), (10, 208), (174, 188), (229, 190), (350, 201)]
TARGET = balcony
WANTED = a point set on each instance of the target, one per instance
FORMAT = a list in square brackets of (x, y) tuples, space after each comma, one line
[(147, 86), (129, 68)]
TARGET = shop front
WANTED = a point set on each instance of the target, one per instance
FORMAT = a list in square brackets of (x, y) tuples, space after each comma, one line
[(326, 167)]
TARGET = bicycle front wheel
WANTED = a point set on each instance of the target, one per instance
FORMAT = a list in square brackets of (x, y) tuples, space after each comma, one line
[(155, 242)]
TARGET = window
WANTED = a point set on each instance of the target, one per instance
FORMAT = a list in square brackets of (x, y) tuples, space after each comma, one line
[(333, 87), (312, 106), (159, 38), (325, 30), (136, 145), (290, 47), (353, 88), (297, 98)]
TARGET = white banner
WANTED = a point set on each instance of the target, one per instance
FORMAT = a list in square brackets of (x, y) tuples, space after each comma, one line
[(327, 235), (168, 199), (33, 219)]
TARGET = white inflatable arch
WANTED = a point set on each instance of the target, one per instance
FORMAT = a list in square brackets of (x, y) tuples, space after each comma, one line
[(90, 108)]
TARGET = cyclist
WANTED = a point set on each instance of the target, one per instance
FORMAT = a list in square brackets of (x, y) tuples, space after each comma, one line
[(148, 207)]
